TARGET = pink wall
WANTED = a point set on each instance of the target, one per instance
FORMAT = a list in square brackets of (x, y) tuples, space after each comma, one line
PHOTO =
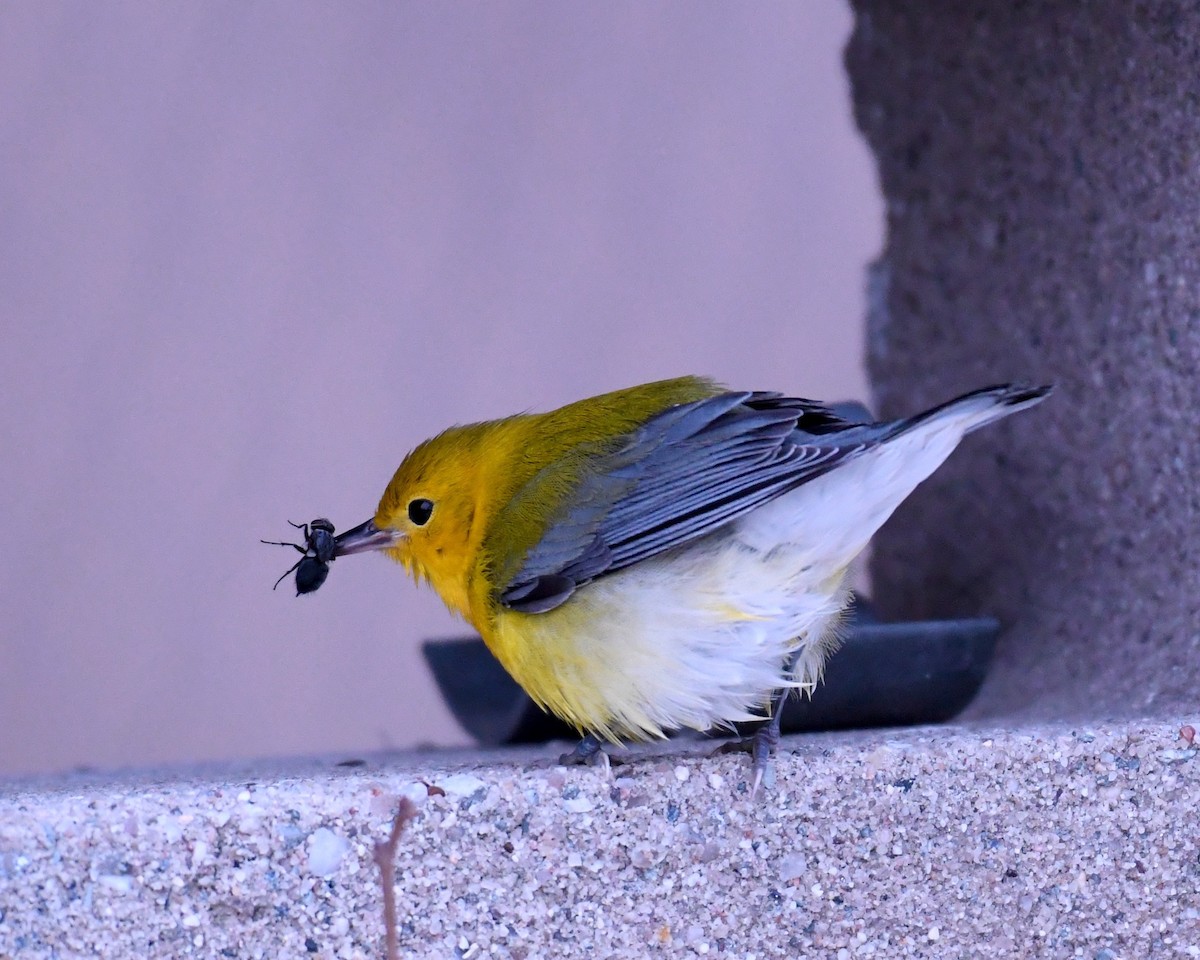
[(251, 253)]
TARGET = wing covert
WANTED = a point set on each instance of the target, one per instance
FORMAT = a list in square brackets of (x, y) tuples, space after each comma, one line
[(681, 475)]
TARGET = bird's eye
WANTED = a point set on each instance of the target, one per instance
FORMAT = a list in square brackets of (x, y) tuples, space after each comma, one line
[(419, 511)]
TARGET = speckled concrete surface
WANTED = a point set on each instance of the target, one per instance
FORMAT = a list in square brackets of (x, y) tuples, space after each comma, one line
[(949, 842), (1039, 166)]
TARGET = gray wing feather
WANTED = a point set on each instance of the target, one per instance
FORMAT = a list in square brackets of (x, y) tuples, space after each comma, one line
[(684, 473)]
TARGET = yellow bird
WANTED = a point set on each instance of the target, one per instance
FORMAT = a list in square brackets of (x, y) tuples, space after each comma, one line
[(671, 555)]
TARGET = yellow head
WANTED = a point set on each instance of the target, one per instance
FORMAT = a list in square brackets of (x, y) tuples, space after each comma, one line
[(434, 511), (437, 507)]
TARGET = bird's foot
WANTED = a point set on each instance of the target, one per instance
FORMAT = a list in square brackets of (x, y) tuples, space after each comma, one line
[(761, 746), (588, 751), (762, 749)]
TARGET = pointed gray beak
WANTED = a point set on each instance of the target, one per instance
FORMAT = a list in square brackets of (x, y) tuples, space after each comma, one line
[(366, 536)]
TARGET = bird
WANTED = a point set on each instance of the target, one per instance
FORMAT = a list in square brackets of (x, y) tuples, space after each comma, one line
[(667, 556)]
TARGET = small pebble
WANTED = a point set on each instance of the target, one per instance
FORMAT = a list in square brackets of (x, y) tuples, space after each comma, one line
[(644, 856), (416, 792), (325, 851), (792, 866), (121, 884), (461, 784)]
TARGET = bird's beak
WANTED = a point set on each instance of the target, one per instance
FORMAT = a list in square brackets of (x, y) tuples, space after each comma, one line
[(366, 536)]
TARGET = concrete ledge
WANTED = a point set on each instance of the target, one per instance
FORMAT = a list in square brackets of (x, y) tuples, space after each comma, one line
[(1047, 841)]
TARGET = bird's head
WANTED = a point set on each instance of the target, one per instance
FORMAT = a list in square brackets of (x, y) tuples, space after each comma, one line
[(426, 519)]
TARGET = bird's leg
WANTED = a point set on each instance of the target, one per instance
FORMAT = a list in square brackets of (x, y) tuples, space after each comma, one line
[(761, 746), (766, 740), (588, 750)]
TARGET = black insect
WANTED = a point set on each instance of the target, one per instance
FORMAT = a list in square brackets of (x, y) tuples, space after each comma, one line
[(319, 545)]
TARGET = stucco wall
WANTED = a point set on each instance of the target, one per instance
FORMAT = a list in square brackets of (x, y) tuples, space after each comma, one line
[(1042, 182)]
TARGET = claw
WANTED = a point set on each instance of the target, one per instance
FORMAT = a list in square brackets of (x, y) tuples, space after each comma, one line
[(762, 749), (761, 746)]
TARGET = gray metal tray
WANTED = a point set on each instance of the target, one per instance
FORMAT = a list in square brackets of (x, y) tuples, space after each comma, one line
[(885, 674)]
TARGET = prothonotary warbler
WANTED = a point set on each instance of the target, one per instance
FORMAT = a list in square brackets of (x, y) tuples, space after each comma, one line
[(671, 555)]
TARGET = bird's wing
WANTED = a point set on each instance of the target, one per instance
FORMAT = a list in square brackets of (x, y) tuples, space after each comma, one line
[(680, 475)]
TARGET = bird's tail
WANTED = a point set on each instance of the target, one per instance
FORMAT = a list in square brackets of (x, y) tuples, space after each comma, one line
[(837, 512), (979, 407)]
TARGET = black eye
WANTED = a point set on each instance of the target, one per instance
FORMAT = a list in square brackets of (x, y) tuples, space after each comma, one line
[(419, 511)]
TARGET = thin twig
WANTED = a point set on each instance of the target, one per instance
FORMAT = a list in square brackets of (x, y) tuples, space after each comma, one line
[(385, 858)]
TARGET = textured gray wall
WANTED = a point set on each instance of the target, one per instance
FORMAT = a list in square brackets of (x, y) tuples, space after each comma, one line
[(1041, 170)]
